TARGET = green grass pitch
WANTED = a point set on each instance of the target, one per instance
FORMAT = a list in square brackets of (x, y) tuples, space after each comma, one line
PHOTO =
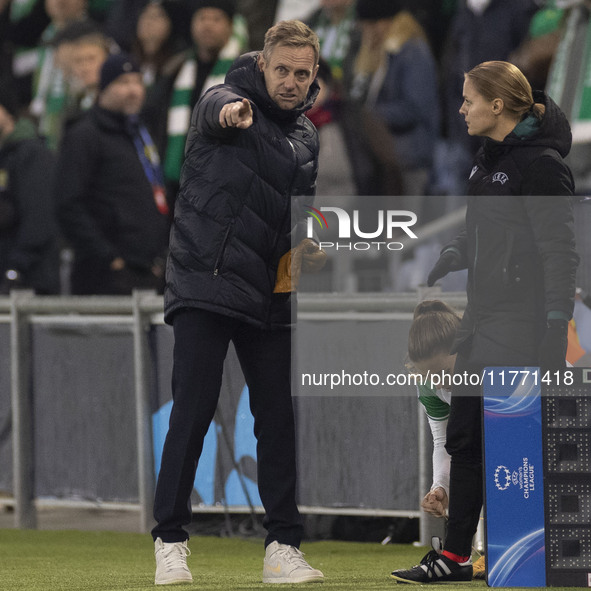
[(105, 561)]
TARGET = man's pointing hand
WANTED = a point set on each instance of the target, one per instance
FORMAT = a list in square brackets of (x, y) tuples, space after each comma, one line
[(238, 114)]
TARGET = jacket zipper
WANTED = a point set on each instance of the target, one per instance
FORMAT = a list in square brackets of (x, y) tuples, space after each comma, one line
[(288, 195), (218, 259), (287, 208)]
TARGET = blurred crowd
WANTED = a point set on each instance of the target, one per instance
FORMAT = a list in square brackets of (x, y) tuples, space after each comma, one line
[(96, 98)]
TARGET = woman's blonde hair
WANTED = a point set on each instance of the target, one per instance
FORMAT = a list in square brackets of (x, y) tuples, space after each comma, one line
[(503, 80), (403, 28), (432, 331)]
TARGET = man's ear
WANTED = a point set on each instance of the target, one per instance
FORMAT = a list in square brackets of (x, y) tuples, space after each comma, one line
[(260, 61)]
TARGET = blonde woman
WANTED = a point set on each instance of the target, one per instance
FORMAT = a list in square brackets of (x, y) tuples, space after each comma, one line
[(518, 247), (395, 78)]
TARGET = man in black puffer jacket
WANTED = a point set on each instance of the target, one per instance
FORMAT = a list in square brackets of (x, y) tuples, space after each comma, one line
[(249, 151)]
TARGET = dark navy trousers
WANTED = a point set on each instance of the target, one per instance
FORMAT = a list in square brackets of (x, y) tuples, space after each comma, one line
[(201, 345)]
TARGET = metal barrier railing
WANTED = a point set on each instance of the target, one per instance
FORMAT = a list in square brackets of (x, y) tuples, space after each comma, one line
[(145, 309)]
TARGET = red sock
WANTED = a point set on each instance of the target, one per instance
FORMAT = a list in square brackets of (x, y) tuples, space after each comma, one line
[(455, 557)]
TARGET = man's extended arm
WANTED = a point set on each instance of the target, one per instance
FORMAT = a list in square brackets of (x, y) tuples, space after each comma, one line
[(221, 111)]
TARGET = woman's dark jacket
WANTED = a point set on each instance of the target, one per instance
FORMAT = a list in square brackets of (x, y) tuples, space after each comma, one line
[(518, 244), (233, 215), (408, 102)]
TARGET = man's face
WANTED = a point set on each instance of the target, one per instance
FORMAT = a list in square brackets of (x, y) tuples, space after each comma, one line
[(86, 62), (210, 29), (65, 11), (288, 74), (124, 95)]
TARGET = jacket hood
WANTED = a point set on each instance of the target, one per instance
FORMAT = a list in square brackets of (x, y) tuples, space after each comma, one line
[(552, 132), (244, 74)]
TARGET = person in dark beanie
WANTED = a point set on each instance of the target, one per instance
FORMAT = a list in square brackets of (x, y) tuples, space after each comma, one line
[(29, 254), (110, 190)]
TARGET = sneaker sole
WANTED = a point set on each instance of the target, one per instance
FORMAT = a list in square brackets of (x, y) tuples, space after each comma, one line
[(174, 582), (287, 580), (401, 580)]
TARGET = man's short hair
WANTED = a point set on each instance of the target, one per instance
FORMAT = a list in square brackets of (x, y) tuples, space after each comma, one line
[(86, 32), (292, 33)]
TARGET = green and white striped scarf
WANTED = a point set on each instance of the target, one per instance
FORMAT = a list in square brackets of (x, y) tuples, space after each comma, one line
[(335, 40), (50, 90), (25, 59), (180, 109), (19, 9)]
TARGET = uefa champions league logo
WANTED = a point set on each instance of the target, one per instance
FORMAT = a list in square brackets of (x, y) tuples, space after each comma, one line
[(522, 478), (502, 478)]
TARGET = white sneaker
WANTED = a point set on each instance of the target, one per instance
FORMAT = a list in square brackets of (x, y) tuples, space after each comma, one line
[(171, 563), (286, 564)]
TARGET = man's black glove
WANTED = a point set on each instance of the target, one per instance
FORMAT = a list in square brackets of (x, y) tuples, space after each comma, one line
[(448, 261), (552, 351)]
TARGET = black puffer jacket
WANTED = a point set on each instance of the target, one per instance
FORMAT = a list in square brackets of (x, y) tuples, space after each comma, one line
[(518, 244), (233, 216)]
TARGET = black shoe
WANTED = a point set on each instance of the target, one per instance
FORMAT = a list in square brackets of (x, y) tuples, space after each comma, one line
[(435, 568)]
